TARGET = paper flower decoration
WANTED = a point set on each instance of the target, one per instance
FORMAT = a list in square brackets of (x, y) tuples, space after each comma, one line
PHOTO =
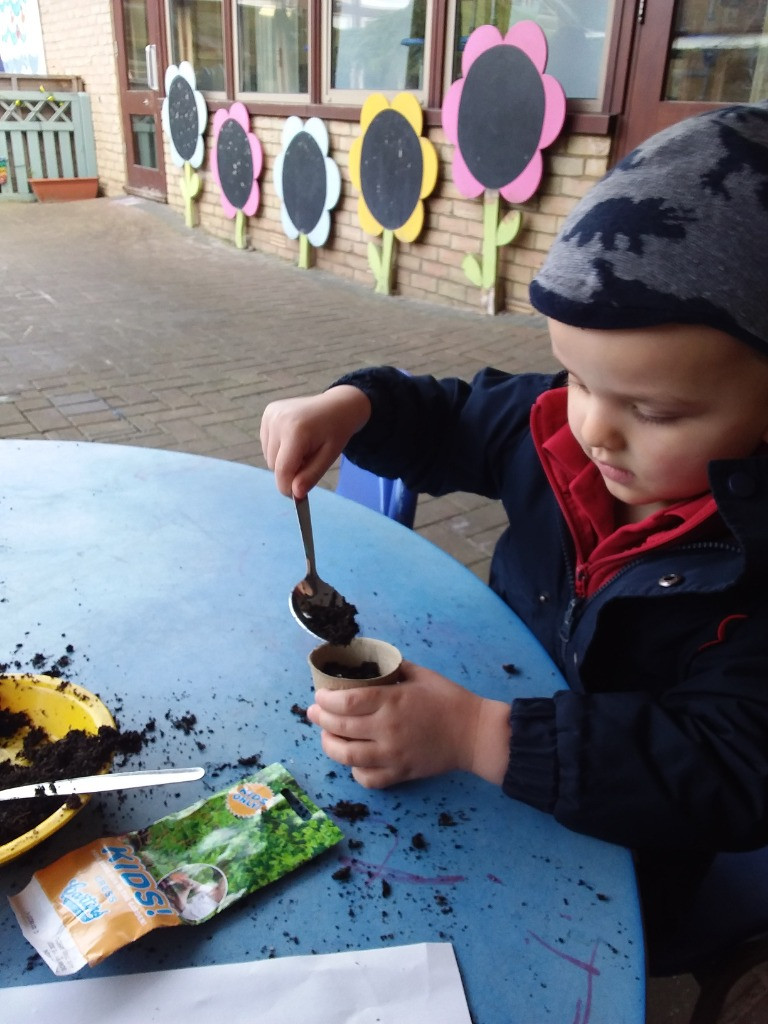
[(184, 116), (236, 161), (394, 169), (499, 116), (308, 183)]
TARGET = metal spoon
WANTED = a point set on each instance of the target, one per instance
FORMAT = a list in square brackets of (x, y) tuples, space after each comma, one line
[(315, 604)]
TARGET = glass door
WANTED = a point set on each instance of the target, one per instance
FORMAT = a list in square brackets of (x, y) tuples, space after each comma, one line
[(689, 57), (141, 68)]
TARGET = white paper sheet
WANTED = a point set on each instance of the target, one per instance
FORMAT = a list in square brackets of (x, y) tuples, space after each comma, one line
[(419, 984)]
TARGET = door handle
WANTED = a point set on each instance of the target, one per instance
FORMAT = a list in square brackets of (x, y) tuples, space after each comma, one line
[(150, 54)]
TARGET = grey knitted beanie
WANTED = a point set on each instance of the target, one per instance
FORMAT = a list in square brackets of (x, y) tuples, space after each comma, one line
[(677, 232)]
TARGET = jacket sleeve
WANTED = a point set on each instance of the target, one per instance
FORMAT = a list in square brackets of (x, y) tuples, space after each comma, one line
[(686, 768), (442, 435)]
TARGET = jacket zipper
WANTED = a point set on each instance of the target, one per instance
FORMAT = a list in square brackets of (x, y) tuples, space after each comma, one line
[(577, 603)]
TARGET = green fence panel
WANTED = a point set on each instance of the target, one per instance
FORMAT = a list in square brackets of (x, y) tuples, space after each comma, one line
[(44, 135)]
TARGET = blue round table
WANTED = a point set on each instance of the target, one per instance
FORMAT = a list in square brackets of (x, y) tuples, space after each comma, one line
[(169, 576)]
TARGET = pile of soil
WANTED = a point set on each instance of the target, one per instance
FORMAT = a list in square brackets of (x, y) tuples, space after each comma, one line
[(335, 622), (42, 759), (365, 670)]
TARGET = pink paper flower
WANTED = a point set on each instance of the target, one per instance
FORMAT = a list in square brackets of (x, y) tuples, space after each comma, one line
[(502, 112), (236, 160)]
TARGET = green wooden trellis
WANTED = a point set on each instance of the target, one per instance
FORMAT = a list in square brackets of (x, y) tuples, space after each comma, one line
[(45, 135)]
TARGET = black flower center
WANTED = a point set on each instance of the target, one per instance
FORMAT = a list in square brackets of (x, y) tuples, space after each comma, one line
[(182, 117), (391, 169), (304, 182), (501, 114), (235, 163)]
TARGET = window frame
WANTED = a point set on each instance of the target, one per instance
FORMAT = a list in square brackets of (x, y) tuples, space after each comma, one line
[(217, 97), (588, 116), (356, 97), (251, 98)]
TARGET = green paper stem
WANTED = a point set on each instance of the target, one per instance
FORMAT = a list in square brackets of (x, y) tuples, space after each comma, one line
[(491, 202), (384, 282), (190, 186), (304, 252), (240, 229)]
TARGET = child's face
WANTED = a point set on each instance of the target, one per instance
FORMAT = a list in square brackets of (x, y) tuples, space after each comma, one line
[(652, 407)]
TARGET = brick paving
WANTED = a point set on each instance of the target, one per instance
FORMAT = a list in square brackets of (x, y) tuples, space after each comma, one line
[(120, 325)]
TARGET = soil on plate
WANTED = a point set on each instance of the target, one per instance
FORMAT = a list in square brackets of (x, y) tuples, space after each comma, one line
[(42, 759)]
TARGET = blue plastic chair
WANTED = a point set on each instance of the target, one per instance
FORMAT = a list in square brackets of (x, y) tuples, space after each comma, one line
[(390, 497), (725, 933)]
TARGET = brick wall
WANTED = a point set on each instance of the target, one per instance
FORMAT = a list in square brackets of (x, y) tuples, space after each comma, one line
[(79, 40), (429, 268)]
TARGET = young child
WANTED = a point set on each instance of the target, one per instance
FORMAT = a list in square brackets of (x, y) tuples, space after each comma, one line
[(636, 486)]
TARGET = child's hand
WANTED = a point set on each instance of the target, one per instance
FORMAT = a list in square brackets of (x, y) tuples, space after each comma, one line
[(302, 437), (424, 725)]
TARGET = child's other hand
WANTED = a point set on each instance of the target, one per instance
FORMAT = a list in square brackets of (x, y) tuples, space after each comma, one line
[(302, 437), (424, 725)]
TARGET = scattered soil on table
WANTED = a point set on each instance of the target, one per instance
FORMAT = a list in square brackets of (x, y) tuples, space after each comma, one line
[(335, 623), (442, 902), (365, 670), (251, 761), (301, 713), (350, 810), (185, 723)]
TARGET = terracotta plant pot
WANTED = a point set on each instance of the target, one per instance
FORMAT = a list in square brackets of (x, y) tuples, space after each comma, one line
[(58, 190)]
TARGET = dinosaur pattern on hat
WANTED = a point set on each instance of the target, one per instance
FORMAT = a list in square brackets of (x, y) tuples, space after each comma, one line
[(677, 232)]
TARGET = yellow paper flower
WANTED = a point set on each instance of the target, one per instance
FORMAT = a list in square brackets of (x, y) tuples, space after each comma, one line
[(392, 166)]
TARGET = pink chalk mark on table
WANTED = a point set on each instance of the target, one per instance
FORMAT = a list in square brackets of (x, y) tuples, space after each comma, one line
[(377, 871), (583, 1012)]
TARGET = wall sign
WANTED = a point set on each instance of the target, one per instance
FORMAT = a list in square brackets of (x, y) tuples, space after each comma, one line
[(184, 116), (499, 115), (236, 162), (308, 183), (394, 168)]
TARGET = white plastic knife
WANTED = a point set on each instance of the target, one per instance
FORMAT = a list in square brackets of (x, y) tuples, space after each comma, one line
[(104, 783)]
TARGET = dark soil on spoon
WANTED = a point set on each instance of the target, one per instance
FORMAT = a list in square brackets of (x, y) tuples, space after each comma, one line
[(335, 623)]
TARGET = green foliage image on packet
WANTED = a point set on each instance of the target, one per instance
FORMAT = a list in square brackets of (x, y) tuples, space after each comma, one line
[(220, 849)]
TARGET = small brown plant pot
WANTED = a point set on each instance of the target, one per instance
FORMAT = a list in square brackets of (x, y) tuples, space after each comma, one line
[(355, 654), (59, 190)]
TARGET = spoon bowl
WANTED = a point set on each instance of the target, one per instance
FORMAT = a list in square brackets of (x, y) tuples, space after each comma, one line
[(315, 604)]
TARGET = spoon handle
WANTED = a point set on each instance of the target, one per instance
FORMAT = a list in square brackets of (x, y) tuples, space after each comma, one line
[(305, 525)]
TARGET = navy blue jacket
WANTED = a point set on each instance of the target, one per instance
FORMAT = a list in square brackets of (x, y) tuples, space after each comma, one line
[(661, 740)]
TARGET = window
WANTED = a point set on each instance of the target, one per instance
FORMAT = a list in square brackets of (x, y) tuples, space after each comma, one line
[(136, 34), (688, 56), (272, 46), (376, 46), (308, 53), (577, 34), (197, 35), (719, 52)]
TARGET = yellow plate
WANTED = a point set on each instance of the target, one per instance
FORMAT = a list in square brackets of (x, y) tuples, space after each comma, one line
[(57, 707)]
